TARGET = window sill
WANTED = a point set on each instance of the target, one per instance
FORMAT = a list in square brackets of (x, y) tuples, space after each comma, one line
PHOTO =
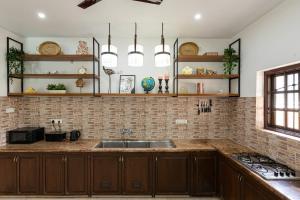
[(281, 134)]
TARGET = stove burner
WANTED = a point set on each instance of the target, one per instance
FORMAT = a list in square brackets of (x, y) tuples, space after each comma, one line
[(266, 167)]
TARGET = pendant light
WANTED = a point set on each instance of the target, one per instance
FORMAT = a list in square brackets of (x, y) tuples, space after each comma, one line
[(135, 53), (162, 52), (109, 53)]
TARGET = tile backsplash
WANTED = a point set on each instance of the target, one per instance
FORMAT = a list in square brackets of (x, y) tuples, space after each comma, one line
[(149, 118)]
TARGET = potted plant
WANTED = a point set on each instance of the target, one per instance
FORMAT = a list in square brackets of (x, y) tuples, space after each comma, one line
[(57, 88), (14, 59), (230, 60)]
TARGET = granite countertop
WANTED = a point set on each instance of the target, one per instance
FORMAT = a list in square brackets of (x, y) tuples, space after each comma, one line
[(226, 146), (284, 189)]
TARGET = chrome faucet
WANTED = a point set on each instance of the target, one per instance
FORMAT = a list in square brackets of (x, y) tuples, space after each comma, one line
[(126, 131)]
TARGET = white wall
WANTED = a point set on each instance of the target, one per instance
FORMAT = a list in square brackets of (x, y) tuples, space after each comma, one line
[(271, 41), (69, 46), (3, 69)]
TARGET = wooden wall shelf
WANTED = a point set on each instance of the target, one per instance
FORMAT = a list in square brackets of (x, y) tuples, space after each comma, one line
[(206, 76), (55, 76), (133, 95), (199, 58), (50, 95), (210, 95), (71, 58)]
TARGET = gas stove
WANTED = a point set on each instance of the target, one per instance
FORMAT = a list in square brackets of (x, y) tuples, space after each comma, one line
[(266, 167)]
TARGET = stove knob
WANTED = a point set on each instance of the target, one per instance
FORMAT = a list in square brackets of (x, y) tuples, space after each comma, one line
[(287, 173), (276, 174), (281, 173), (293, 173)]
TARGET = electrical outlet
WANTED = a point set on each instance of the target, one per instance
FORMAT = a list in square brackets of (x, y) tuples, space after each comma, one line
[(181, 121), (56, 121), (10, 110)]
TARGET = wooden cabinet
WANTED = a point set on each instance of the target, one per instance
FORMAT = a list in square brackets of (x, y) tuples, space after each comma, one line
[(203, 174), (28, 173), (8, 174), (65, 174), (77, 174), (250, 189), (128, 174), (54, 174), (20, 174), (137, 173), (106, 173), (171, 173)]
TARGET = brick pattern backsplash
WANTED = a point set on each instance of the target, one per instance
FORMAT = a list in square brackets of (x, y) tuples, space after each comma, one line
[(149, 118), (246, 130), (8, 120)]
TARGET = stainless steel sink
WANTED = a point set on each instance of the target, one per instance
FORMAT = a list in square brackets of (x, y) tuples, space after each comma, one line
[(136, 144)]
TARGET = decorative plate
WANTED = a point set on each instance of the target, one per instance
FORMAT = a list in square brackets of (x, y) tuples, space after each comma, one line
[(49, 48), (189, 49)]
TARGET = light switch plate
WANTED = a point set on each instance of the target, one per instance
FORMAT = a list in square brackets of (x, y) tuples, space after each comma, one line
[(181, 121)]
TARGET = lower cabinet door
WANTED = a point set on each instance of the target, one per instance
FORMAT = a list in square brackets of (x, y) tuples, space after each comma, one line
[(106, 174), (251, 190), (137, 171), (8, 174), (28, 174), (54, 174), (76, 174), (171, 173), (203, 174)]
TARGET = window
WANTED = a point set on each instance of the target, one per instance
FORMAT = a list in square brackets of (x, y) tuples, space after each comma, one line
[(282, 100)]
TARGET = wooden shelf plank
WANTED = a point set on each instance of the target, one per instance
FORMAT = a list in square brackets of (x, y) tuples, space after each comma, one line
[(55, 76), (51, 95), (207, 76), (210, 95), (200, 58), (133, 95), (70, 57)]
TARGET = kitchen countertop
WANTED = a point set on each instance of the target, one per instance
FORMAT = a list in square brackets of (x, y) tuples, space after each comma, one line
[(284, 189)]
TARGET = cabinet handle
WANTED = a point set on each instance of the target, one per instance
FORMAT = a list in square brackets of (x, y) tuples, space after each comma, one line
[(66, 159), (14, 160), (156, 158), (195, 158), (120, 159), (17, 159)]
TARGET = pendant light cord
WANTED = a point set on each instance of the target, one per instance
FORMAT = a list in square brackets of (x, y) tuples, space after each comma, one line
[(135, 37), (109, 37), (162, 37)]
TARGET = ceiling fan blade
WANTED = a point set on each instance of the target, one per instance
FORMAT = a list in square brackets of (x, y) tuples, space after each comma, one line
[(157, 2), (87, 3)]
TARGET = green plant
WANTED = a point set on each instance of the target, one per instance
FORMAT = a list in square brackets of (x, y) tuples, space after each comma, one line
[(15, 58), (56, 87), (230, 60)]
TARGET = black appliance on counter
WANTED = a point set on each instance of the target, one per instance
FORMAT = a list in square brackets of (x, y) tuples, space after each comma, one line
[(56, 136), (74, 135), (25, 135), (266, 167)]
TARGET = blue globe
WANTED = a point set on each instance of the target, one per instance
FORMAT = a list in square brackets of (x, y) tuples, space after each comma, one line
[(148, 84)]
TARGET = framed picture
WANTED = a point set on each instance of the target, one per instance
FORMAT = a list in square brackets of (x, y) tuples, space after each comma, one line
[(127, 84)]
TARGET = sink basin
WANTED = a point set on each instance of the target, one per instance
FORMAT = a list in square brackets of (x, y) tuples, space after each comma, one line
[(136, 144)]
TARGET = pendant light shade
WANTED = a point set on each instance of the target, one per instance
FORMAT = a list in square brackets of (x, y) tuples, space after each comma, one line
[(109, 54), (135, 53), (162, 53)]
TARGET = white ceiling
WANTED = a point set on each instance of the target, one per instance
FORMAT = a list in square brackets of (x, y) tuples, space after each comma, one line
[(220, 18)]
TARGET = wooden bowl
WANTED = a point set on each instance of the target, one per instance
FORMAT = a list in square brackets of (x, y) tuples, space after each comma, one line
[(189, 49), (49, 48)]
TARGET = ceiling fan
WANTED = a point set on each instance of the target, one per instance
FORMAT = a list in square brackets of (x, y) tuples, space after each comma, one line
[(87, 3)]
